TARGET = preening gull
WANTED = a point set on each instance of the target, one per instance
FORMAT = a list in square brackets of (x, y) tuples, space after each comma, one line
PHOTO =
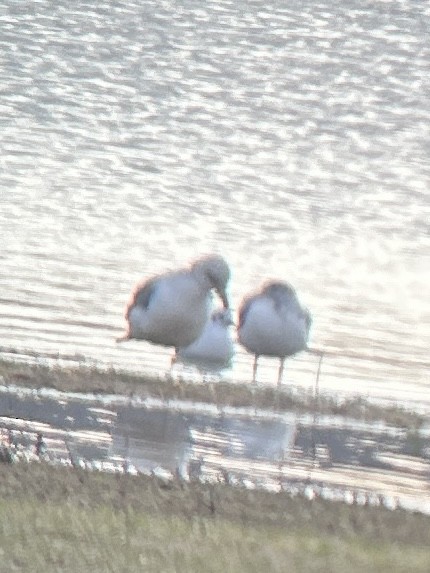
[(214, 349), (272, 322), (171, 309)]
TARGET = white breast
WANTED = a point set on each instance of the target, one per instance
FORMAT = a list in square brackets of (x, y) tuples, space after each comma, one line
[(213, 347), (272, 331)]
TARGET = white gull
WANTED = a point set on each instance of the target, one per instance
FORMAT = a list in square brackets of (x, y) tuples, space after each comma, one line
[(214, 349), (272, 322), (171, 309)]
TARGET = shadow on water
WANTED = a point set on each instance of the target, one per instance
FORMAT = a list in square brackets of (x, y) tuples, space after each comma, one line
[(332, 457)]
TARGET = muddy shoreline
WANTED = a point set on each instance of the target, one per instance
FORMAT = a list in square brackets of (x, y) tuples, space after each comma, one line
[(166, 387)]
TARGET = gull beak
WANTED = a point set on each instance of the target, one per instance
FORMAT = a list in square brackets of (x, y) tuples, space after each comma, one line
[(229, 318), (224, 299)]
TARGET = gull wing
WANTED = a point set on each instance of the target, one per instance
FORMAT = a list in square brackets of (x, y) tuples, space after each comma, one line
[(142, 295), (244, 309)]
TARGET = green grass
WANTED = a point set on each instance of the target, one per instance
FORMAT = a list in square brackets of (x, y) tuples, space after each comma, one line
[(40, 537), (57, 519)]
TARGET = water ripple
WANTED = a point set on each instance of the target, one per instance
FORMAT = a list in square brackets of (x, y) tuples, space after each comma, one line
[(135, 134)]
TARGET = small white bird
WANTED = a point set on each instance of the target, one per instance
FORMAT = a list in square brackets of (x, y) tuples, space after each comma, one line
[(273, 323), (214, 349), (172, 309)]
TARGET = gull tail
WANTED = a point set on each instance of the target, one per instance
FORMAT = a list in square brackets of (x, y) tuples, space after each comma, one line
[(123, 338)]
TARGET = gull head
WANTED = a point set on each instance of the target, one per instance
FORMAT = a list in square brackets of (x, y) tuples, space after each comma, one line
[(279, 290), (282, 294), (222, 317), (214, 271)]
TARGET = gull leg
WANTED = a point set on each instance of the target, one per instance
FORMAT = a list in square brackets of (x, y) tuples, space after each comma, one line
[(281, 371), (254, 368), (173, 359)]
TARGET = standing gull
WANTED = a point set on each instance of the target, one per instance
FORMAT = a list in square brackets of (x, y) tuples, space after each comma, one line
[(214, 349), (171, 309), (273, 323)]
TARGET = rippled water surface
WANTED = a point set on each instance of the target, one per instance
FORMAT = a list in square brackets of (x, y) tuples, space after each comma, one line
[(291, 137), (332, 457)]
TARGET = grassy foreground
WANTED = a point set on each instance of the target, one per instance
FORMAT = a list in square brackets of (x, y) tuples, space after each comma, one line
[(56, 519), (60, 519)]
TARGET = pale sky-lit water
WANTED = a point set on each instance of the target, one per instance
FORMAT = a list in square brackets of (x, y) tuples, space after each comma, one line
[(293, 138)]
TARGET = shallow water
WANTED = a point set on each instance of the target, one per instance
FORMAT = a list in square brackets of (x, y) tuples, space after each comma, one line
[(331, 457), (293, 138)]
